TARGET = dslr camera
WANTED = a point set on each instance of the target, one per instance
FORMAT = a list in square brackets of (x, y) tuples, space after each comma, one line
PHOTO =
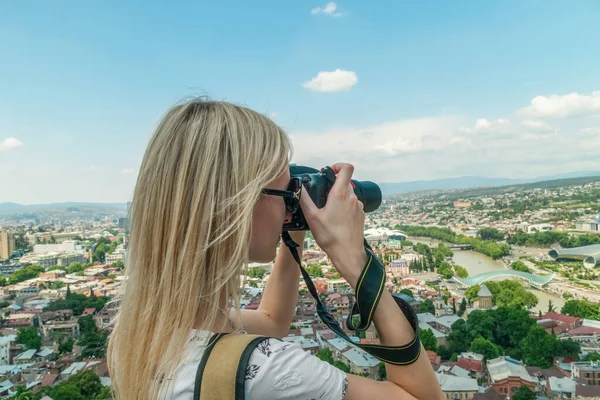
[(317, 184)]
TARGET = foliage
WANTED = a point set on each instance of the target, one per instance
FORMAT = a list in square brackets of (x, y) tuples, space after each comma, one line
[(314, 270), (511, 293), (548, 238), (75, 267), (77, 303), (407, 292), (29, 338), (382, 371), (489, 248), (81, 386), (490, 234), (25, 273), (485, 347), (460, 271), (428, 339), (66, 346), (520, 266), (582, 309), (342, 366), (462, 308), (118, 264), (471, 293), (426, 306), (256, 272), (524, 393), (4, 304), (445, 270), (325, 355), (593, 356)]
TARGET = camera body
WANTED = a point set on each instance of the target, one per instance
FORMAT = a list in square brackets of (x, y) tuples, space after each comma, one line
[(318, 183)]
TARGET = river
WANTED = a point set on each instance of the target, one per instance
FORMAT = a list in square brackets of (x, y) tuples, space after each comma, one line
[(476, 263)]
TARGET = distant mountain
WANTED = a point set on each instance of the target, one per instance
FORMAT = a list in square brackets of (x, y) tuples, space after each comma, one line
[(10, 208), (470, 182)]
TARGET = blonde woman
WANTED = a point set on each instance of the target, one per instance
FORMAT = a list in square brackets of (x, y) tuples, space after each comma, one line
[(200, 214)]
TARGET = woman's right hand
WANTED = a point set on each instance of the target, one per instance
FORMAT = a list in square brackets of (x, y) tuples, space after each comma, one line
[(338, 228)]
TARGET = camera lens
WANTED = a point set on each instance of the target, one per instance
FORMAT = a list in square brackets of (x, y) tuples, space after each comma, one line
[(368, 193)]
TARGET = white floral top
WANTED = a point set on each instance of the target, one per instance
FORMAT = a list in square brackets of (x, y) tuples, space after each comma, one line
[(276, 370)]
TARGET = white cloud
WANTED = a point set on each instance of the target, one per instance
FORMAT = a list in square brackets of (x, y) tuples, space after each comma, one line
[(490, 126), (590, 132), (9, 144), (127, 171), (536, 126), (335, 81), (329, 9), (563, 106)]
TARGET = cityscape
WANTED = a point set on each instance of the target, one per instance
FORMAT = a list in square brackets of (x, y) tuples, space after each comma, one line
[(479, 121), (504, 281)]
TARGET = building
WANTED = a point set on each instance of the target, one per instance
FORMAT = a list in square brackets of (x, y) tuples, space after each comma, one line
[(506, 376), (7, 245), (471, 362), (560, 388), (588, 225), (586, 372), (5, 342), (361, 363), (484, 297), (455, 387), (338, 285)]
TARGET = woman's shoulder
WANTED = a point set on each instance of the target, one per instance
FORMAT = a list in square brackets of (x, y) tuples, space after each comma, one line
[(283, 370), (276, 370)]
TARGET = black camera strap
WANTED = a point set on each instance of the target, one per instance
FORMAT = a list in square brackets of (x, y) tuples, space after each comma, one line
[(370, 287)]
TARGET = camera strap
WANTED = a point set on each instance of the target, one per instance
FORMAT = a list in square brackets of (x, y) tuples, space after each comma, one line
[(370, 287)]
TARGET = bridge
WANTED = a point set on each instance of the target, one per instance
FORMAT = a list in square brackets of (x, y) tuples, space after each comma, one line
[(532, 279), (460, 246)]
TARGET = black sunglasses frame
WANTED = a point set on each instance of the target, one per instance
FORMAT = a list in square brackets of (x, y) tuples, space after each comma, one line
[(290, 197)]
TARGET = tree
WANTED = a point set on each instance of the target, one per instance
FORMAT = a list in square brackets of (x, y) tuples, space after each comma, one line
[(462, 308), (472, 292), (66, 391), (88, 383), (458, 340), (105, 393), (407, 292), (593, 356), (524, 393), (382, 371), (539, 348), (490, 234), (22, 394), (454, 306), (520, 266), (75, 267), (460, 271), (581, 309), (66, 346), (315, 270), (485, 347), (118, 264), (426, 306), (325, 355), (29, 338), (428, 339), (551, 307), (342, 366)]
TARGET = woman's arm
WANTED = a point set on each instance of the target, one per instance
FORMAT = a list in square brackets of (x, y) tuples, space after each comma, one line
[(276, 310)]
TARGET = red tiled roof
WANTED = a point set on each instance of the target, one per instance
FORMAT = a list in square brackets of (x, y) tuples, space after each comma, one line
[(565, 319), (49, 379), (584, 330), (470, 364)]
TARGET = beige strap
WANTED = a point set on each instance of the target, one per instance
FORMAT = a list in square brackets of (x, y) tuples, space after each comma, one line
[(219, 377)]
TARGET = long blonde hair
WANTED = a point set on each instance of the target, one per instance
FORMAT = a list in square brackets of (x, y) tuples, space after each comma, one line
[(191, 221)]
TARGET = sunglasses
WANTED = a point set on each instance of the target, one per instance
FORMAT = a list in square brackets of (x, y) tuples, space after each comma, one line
[(291, 196)]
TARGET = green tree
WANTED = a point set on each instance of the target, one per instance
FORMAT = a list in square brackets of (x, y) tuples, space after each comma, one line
[(315, 270), (256, 272), (520, 266), (382, 370), (75, 267), (539, 348), (22, 394), (593, 356), (88, 383), (472, 292), (485, 347), (66, 391), (325, 355), (462, 308), (342, 366), (29, 338), (428, 339), (66, 346), (105, 393), (490, 234), (407, 292), (551, 307), (524, 393), (582, 309), (25, 273), (458, 339), (118, 264), (426, 306), (460, 271)]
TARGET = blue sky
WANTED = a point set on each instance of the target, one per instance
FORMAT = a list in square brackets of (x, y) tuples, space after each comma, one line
[(423, 89)]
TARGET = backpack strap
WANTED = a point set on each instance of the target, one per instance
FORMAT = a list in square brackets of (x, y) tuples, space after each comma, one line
[(222, 371)]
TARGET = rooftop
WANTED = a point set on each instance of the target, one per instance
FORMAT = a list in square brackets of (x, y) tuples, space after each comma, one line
[(500, 369), (451, 383)]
